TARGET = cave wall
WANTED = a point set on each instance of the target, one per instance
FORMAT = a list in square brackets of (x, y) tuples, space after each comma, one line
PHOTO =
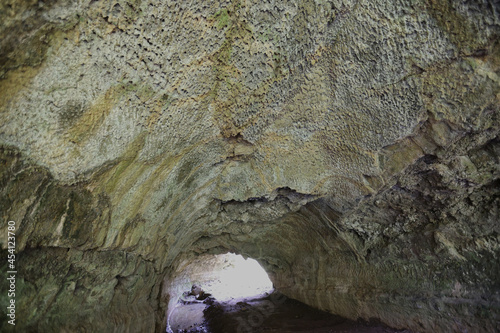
[(349, 146)]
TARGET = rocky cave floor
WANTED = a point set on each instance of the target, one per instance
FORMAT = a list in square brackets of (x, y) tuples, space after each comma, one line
[(266, 313)]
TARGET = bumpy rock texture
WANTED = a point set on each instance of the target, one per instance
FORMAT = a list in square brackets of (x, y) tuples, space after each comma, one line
[(352, 147)]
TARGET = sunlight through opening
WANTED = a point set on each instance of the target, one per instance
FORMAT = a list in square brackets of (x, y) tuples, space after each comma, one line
[(204, 280), (238, 278)]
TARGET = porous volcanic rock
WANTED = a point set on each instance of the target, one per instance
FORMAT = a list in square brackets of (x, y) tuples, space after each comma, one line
[(351, 147)]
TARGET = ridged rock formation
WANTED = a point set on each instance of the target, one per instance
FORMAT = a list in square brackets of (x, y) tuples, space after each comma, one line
[(351, 147)]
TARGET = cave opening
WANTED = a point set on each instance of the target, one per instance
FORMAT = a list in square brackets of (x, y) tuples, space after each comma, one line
[(206, 280), (226, 293)]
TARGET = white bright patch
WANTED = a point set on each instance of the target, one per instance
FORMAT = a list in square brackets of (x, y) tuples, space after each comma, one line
[(239, 278)]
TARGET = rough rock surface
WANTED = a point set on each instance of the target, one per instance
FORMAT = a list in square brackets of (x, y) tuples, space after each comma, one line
[(352, 147)]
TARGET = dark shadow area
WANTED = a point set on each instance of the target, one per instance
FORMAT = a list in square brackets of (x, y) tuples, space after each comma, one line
[(273, 313)]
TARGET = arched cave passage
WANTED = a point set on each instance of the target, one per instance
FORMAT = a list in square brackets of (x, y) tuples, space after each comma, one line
[(352, 147), (226, 293), (227, 278)]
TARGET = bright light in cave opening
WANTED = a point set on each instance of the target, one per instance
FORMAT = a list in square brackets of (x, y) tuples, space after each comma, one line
[(237, 278), (228, 278)]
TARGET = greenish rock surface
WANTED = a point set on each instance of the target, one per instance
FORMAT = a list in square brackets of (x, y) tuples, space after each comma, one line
[(351, 147)]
